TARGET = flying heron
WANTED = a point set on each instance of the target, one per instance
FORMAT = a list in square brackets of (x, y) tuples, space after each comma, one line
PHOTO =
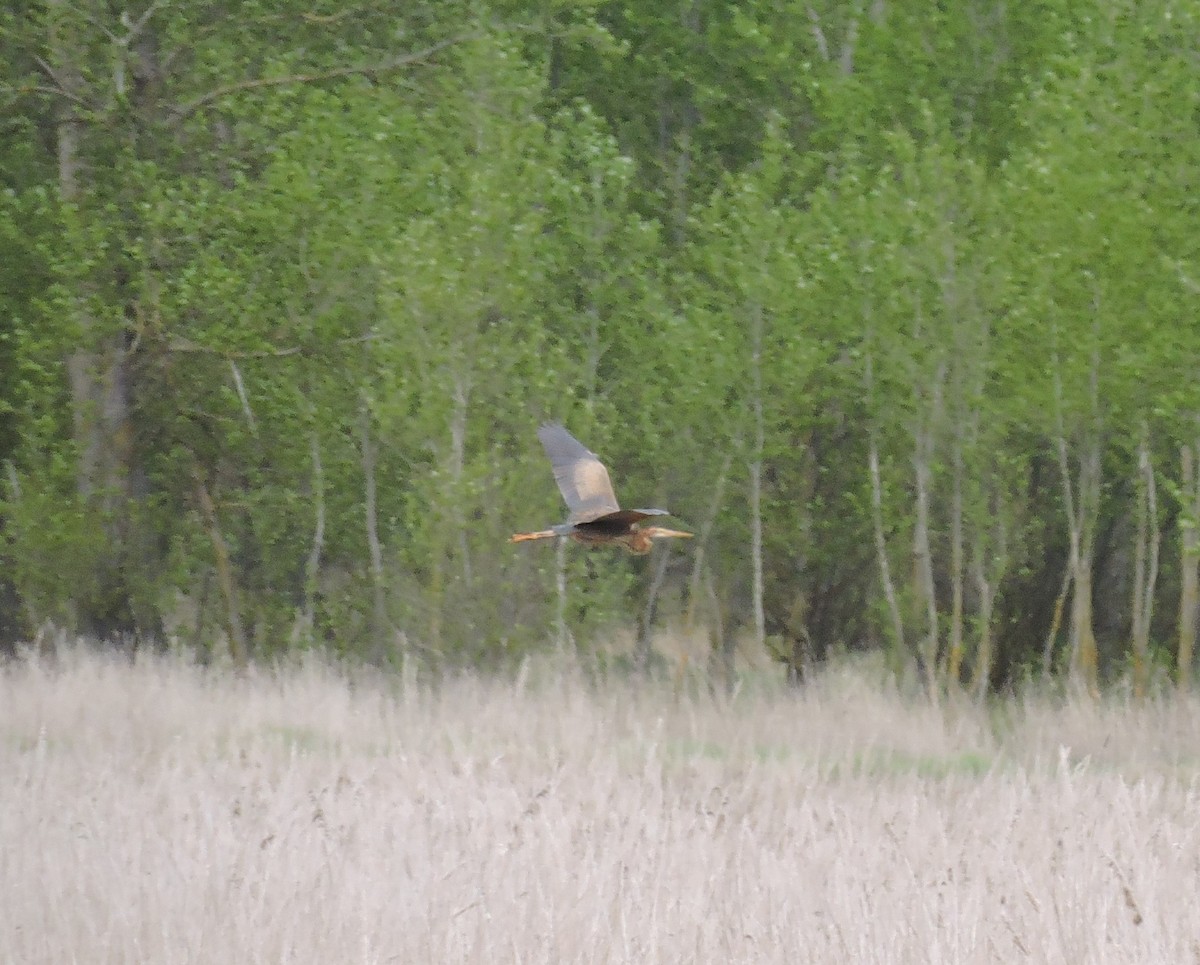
[(595, 519)]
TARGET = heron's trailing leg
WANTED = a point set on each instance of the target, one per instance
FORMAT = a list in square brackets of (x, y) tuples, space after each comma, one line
[(541, 534)]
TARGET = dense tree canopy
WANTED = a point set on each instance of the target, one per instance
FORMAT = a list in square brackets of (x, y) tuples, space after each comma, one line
[(897, 309)]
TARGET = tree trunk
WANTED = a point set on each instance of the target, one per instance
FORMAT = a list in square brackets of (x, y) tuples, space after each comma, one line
[(313, 564), (97, 372), (81, 364), (238, 651), (1085, 664), (724, 643), (1060, 603), (678, 119), (641, 653), (983, 649), (458, 462), (954, 662), (1145, 567), (885, 570), (1189, 561), (1081, 501), (1084, 657), (755, 468), (922, 548), (989, 560), (923, 558), (698, 557), (560, 585), (374, 546)]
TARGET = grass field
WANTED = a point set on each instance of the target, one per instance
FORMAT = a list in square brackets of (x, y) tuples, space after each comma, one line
[(160, 813)]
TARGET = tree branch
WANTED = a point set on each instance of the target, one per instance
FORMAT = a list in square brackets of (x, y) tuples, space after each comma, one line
[(135, 27), (43, 89), (819, 34), (245, 399), (182, 346), (57, 88), (91, 21), (372, 70)]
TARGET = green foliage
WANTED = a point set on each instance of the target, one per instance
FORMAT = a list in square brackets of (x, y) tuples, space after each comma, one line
[(295, 287)]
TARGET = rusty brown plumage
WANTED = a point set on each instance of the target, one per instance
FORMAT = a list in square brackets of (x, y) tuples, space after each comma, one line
[(594, 517)]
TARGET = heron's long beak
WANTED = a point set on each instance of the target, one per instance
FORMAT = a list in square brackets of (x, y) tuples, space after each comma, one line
[(658, 532)]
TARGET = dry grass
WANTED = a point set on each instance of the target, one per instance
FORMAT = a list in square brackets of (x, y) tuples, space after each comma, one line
[(158, 813)]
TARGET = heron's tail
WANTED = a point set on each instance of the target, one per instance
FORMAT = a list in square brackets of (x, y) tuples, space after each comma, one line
[(541, 534)]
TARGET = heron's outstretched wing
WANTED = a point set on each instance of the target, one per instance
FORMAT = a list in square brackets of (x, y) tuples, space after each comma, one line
[(581, 476), (624, 518)]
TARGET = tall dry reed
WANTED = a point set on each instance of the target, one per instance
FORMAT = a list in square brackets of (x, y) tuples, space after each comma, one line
[(156, 812)]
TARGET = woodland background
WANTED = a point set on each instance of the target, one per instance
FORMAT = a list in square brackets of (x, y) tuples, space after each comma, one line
[(894, 304)]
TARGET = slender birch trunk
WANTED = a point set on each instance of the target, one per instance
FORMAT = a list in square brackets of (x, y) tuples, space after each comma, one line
[(458, 460), (698, 559), (922, 548), (1189, 561), (1085, 662), (1081, 502), (238, 650), (1085, 665), (923, 556), (955, 658), (312, 566), (755, 468), (1145, 567), (885, 570), (371, 523), (724, 643), (881, 554), (98, 370), (562, 634), (642, 650), (81, 365), (1060, 603), (986, 581)]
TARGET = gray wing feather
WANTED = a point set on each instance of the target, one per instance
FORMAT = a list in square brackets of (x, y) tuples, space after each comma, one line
[(581, 476)]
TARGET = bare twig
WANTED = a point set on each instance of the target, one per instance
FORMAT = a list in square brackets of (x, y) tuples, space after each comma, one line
[(95, 22), (135, 29), (14, 481), (57, 88), (43, 89), (371, 70), (182, 346), (819, 34), (846, 61), (245, 399)]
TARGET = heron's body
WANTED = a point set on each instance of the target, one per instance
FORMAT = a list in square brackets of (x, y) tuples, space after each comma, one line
[(595, 518)]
